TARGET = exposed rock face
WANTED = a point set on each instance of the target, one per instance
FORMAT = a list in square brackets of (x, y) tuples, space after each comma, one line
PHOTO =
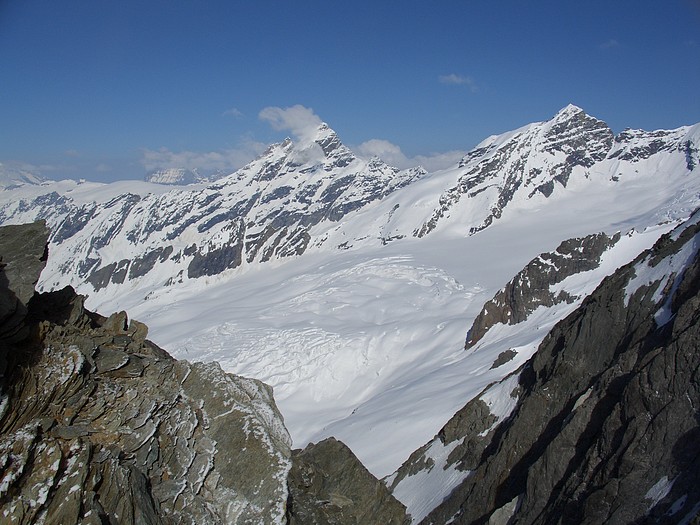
[(532, 286), (432, 472), (532, 161), (23, 251), (329, 485), (98, 425), (604, 423)]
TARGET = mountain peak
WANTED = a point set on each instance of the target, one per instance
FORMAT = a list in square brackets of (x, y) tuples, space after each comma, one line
[(567, 112), (331, 145)]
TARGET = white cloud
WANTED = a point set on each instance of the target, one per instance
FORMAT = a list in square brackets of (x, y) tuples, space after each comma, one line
[(300, 120), (392, 155), (233, 112), (228, 159), (385, 150), (458, 80)]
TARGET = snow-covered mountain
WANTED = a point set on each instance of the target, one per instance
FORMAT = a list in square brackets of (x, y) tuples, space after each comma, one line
[(264, 211), (296, 197), (176, 176), (349, 285), (12, 177)]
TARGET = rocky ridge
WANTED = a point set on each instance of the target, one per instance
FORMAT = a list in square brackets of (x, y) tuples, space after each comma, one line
[(541, 159), (98, 425), (530, 161), (534, 285), (600, 426)]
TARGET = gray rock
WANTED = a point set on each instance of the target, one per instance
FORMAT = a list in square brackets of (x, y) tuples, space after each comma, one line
[(98, 425), (23, 251), (606, 425), (329, 485), (530, 288)]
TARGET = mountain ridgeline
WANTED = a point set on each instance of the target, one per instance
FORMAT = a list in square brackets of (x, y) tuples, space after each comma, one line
[(309, 196)]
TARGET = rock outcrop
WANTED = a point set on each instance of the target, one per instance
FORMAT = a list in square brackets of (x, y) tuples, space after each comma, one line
[(601, 425), (23, 251), (533, 286), (329, 485), (99, 425)]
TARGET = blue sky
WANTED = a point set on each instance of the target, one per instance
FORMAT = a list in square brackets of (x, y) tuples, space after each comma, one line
[(107, 90)]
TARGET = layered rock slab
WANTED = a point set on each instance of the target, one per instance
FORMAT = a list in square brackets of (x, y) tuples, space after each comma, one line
[(99, 425)]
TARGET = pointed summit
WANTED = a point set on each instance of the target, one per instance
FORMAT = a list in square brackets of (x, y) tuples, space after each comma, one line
[(568, 111), (576, 133), (327, 139)]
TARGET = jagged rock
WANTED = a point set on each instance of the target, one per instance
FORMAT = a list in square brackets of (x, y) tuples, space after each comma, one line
[(329, 485), (98, 425), (24, 250), (531, 287), (433, 471), (605, 426)]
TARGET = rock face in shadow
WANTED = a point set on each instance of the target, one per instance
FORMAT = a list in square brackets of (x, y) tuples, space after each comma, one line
[(99, 425), (605, 424), (329, 485), (23, 251)]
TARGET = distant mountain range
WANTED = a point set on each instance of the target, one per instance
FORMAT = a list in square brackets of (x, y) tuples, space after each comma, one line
[(182, 176), (307, 196)]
